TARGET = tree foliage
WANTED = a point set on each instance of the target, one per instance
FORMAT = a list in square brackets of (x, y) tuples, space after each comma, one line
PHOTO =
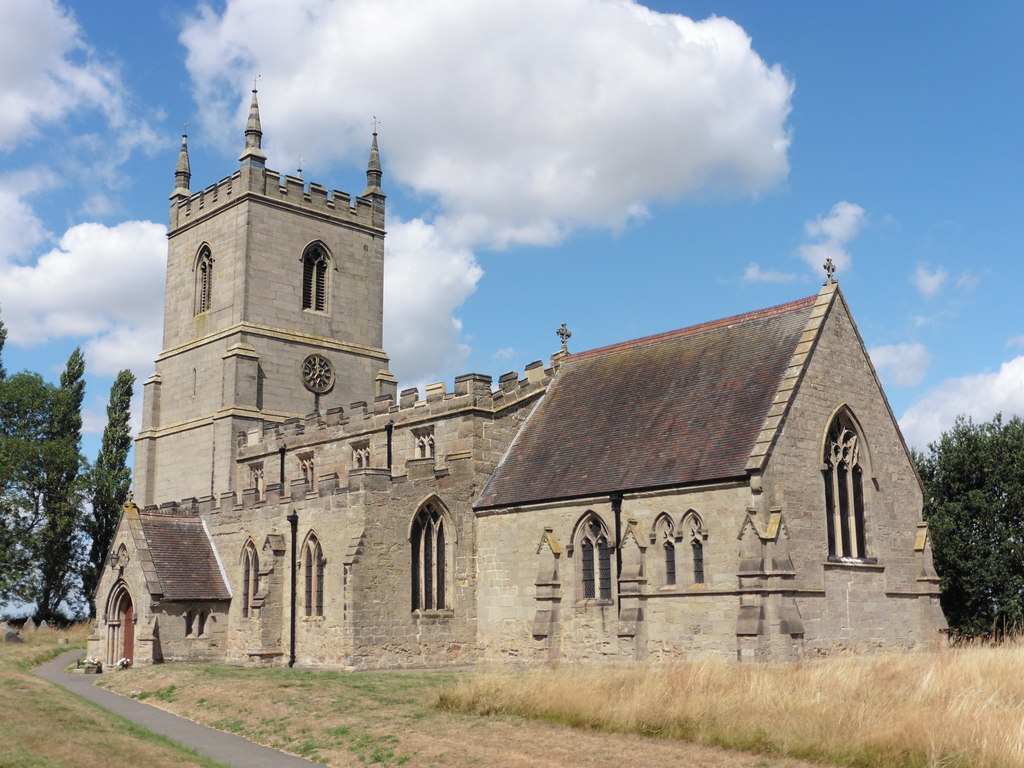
[(110, 482), (974, 505), (25, 404), (59, 555)]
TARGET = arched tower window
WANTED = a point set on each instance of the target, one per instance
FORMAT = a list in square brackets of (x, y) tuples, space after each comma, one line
[(204, 279), (595, 569), (429, 559), (843, 472), (250, 576), (315, 262), (313, 563)]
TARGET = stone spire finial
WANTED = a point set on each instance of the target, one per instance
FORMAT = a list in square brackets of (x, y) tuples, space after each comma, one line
[(564, 334), (373, 172), (830, 271), (253, 135), (182, 173)]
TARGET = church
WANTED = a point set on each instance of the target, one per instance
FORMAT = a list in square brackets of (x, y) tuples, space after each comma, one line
[(736, 489)]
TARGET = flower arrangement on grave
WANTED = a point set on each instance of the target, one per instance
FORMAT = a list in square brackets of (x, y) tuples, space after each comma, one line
[(124, 663)]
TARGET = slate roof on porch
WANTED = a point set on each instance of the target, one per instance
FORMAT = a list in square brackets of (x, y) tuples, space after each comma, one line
[(183, 556), (672, 409)]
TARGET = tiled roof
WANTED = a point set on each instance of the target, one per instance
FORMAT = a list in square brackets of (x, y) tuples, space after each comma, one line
[(676, 408), (183, 556)]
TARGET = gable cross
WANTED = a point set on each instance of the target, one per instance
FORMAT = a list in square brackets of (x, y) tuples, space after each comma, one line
[(564, 334), (830, 270)]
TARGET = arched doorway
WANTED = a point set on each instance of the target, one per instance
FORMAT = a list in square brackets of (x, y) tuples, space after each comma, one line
[(120, 625)]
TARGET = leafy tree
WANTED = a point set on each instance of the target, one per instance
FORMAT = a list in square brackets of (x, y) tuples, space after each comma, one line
[(58, 554), (25, 404), (110, 482), (3, 338), (974, 505)]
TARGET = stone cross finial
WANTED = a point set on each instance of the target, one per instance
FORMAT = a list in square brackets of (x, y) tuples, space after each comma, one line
[(564, 334), (830, 270)]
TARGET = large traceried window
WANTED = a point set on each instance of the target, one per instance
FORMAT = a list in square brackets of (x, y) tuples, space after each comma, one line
[(315, 264), (250, 576), (595, 568), (204, 279), (843, 472), (429, 559), (313, 563)]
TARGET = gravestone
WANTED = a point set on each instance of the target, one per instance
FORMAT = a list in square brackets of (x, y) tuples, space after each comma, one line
[(13, 636)]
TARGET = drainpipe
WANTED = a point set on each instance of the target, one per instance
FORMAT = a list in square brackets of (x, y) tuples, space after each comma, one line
[(616, 499), (280, 454), (389, 428), (293, 521)]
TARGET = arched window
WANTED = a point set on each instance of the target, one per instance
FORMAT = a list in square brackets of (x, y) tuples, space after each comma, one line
[(693, 530), (843, 472), (250, 576), (313, 563), (429, 559), (595, 567), (314, 278), (204, 279), (665, 535)]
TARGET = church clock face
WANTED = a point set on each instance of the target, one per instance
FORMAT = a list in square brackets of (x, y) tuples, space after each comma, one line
[(317, 374)]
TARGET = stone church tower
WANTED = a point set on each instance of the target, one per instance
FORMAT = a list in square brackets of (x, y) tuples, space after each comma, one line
[(273, 310)]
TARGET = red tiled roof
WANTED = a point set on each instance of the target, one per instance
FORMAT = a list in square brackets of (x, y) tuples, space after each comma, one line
[(183, 556), (681, 407)]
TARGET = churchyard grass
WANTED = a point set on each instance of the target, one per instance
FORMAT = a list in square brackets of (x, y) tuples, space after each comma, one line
[(45, 725), (964, 707)]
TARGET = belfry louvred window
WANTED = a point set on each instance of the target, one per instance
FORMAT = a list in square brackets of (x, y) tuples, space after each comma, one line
[(843, 472), (204, 280), (314, 278)]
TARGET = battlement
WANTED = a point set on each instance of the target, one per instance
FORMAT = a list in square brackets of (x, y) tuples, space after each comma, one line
[(269, 184), (471, 393)]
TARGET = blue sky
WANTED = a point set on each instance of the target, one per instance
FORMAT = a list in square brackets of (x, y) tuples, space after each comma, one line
[(624, 169)]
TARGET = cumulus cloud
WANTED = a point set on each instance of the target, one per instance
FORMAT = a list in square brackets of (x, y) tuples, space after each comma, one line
[(101, 283), (979, 396), (425, 280), (830, 234), (523, 119), (929, 282), (902, 365), (754, 274), (47, 70)]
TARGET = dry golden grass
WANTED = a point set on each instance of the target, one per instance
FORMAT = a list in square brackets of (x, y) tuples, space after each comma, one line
[(44, 725), (964, 707)]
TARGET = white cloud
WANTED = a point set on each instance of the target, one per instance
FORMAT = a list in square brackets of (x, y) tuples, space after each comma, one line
[(425, 280), (901, 365), (505, 353), (979, 396), (523, 119), (929, 282), (102, 284), (830, 234), (47, 70), (1015, 341), (754, 274)]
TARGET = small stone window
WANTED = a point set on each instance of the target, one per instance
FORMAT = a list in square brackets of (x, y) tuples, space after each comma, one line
[(257, 480), (843, 473), (424, 442), (361, 454), (204, 280), (313, 562), (595, 568), (664, 532), (250, 577), (429, 559), (308, 471), (315, 263), (694, 531)]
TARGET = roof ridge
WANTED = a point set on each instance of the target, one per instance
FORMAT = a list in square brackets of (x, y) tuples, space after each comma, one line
[(757, 314)]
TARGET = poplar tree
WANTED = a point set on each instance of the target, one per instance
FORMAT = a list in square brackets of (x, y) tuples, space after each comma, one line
[(109, 483), (59, 550)]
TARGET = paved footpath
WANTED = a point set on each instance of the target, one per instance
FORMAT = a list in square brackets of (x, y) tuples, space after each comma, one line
[(224, 747)]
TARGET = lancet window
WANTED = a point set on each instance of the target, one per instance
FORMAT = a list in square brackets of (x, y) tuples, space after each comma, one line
[(429, 559), (315, 264)]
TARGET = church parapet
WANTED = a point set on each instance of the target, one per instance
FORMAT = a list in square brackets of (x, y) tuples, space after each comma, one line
[(292, 189)]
